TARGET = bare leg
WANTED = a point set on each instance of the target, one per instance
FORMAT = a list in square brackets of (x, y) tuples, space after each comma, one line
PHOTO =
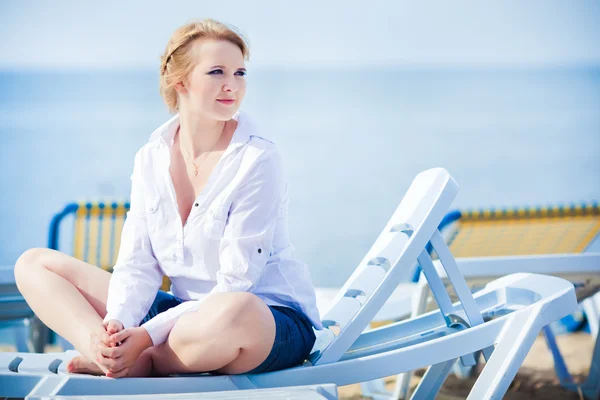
[(231, 333), (141, 368), (67, 294)]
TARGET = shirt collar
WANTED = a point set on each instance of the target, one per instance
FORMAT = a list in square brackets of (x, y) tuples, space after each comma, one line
[(246, 128)]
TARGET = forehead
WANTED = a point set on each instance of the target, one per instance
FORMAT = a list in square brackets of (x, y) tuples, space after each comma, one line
[(218, 52)]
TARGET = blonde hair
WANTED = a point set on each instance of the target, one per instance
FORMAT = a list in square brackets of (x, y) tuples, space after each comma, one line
[(178, 60)]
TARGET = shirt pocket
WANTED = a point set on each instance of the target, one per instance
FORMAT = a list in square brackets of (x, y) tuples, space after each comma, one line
[(214, 222)]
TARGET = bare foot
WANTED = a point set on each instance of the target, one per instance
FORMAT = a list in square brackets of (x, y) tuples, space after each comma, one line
[(142, 366), (81, 365)]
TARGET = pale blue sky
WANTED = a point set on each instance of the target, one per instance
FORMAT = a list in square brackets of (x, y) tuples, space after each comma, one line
[(132, 34)]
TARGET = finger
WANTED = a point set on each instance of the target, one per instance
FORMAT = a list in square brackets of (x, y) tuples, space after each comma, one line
[(120, 336), (121, 374), (101, 358), (104, 362), (101, 341), (116, 366), (100, 345), (111, 352), (111, 367), (104, 338), (114, 326), (103, 368)]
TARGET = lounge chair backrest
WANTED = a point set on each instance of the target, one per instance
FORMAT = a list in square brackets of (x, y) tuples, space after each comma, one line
[(393, 254), (522, 231), (95, 233)]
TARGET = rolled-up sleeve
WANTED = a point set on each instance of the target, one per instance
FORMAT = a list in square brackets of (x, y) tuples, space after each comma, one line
[(136, 277), (247, 239), (248, 236)]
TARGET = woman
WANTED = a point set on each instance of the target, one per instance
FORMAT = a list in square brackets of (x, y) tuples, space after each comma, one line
[(209, 210)]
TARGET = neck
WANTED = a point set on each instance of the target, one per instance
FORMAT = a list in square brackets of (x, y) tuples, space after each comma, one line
[(198, 134)]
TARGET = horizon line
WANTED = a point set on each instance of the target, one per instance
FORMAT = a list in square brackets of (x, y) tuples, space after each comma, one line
[(325, 66)]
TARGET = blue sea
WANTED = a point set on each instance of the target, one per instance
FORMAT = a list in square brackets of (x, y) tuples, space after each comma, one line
[(352, 141)]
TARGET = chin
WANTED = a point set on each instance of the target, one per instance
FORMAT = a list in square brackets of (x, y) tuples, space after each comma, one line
[(225, 115)]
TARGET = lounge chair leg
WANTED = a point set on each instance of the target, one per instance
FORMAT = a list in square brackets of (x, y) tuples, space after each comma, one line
[(375, 389), (402, 386), (559, 363), (419, 306), (39, 334), (463, 372), (591, 387), (515, 342), (21, 332), (433, 380), (591, 307)]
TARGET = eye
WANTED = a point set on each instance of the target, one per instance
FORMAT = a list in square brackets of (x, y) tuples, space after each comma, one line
[(216, 72), (241, 73)]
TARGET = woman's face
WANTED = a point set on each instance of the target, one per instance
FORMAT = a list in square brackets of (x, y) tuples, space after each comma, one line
[(216, 85)]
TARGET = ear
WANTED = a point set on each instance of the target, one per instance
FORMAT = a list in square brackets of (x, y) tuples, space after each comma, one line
[(180, 87)]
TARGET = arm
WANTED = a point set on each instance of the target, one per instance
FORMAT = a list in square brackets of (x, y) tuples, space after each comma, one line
[(246, 243), (136, 277)]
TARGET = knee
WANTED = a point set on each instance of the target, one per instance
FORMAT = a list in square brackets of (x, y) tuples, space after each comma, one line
[(220, 313), (236, 307), (26, 263)]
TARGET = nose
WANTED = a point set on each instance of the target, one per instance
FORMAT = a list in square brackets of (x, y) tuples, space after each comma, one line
[(230, 85)]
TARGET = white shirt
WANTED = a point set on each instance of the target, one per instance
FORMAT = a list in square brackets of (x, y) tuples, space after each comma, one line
[(234, 240)]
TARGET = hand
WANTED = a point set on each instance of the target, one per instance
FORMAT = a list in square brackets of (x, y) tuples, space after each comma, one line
[(99, 340), (112, 326), (118, 359)]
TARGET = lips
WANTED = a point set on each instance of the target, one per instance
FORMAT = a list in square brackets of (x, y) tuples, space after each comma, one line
[(226, 101)]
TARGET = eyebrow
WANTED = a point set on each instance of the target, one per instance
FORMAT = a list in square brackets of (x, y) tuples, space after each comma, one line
[(223, 67)]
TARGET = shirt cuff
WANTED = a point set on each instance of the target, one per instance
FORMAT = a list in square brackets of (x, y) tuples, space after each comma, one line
[(159, 332), (160, 326)]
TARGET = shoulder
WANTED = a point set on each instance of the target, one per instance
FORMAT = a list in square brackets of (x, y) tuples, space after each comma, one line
[(262, 161), (263, 157), (258, 147), (144, 155), (168, 127), (156, 140)]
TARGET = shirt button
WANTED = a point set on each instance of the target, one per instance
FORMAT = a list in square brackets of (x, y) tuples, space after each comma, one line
[(151, 209), (196, 205), (179, 241)]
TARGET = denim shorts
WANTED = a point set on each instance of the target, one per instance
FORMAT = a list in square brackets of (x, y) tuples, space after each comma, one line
[(294, 336)]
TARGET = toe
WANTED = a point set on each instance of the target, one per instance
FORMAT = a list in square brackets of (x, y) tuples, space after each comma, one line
[(75, 364), (81, 365)]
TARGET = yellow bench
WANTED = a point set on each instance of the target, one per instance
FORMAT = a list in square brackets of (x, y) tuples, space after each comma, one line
[(522, 231), (96, 233)]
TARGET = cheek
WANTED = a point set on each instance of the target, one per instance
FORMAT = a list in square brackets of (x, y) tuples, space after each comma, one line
[(204, 89), (241, 89)]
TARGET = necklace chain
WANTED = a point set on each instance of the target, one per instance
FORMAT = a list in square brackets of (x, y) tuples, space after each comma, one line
[(197, 166)]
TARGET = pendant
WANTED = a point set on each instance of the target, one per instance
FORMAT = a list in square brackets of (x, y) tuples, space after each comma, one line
[(195, 169)]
